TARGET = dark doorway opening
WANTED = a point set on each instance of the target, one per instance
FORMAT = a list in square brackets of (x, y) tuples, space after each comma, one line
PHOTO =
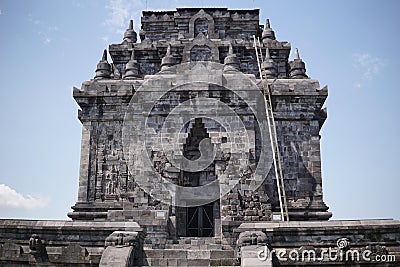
[(200, 221), (197, 221)]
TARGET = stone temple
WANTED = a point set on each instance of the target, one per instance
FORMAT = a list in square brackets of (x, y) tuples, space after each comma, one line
[(196, 87)]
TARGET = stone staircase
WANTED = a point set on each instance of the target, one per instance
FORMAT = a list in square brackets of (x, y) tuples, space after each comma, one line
[(191, 252)]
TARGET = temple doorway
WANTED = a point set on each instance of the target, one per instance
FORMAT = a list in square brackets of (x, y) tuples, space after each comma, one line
[(199, 221)]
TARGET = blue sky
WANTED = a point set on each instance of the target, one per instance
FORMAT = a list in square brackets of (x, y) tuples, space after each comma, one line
[(47, 47)]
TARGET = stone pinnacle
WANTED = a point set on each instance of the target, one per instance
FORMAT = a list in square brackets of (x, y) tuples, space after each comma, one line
[(269, 68), (267, 24), (297, 67), (130, 35), (268, 33), (231, 61), (132, 67), (296, 54), (104, 58), (103, 70)]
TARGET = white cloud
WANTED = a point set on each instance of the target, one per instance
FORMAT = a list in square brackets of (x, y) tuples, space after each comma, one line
[(9, 198), (120, 12), (368, 65)]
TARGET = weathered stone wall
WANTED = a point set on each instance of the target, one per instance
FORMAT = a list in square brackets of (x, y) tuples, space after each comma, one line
[(105, 177), (58, 243), (104, 174), (125, 214), (220, 23), (330, 243), (299, 116), (236, 27)]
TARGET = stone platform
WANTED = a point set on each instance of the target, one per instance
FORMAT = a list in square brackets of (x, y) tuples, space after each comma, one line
[(335, 243), (58, 243), (313, 243)]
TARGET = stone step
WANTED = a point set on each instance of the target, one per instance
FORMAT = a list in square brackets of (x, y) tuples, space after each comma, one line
[(197, 240), (188, 253), (190, 246), (190, 262), (199, 243), (189, 257)]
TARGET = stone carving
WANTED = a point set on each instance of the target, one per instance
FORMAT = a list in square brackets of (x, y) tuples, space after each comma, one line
[(160, 161), (201, 26), (247, 240), (202, 23), (252, 238), (35, 244), (248, 206), (200, 53), (202, 43), (36, 247), (122, 239), (112, 187)]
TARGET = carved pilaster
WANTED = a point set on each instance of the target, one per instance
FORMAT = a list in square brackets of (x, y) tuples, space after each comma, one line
[(253, 249), (122, 248)]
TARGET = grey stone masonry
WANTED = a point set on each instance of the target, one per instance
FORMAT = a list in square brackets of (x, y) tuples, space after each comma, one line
[(299, 116), (176, 165), (330, 243), (62, 243), (180, 28), (108, 182), (105, 179)]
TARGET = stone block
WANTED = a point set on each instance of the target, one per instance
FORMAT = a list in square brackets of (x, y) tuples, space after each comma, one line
[(198, 254), (175, 254), (221, 254)]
